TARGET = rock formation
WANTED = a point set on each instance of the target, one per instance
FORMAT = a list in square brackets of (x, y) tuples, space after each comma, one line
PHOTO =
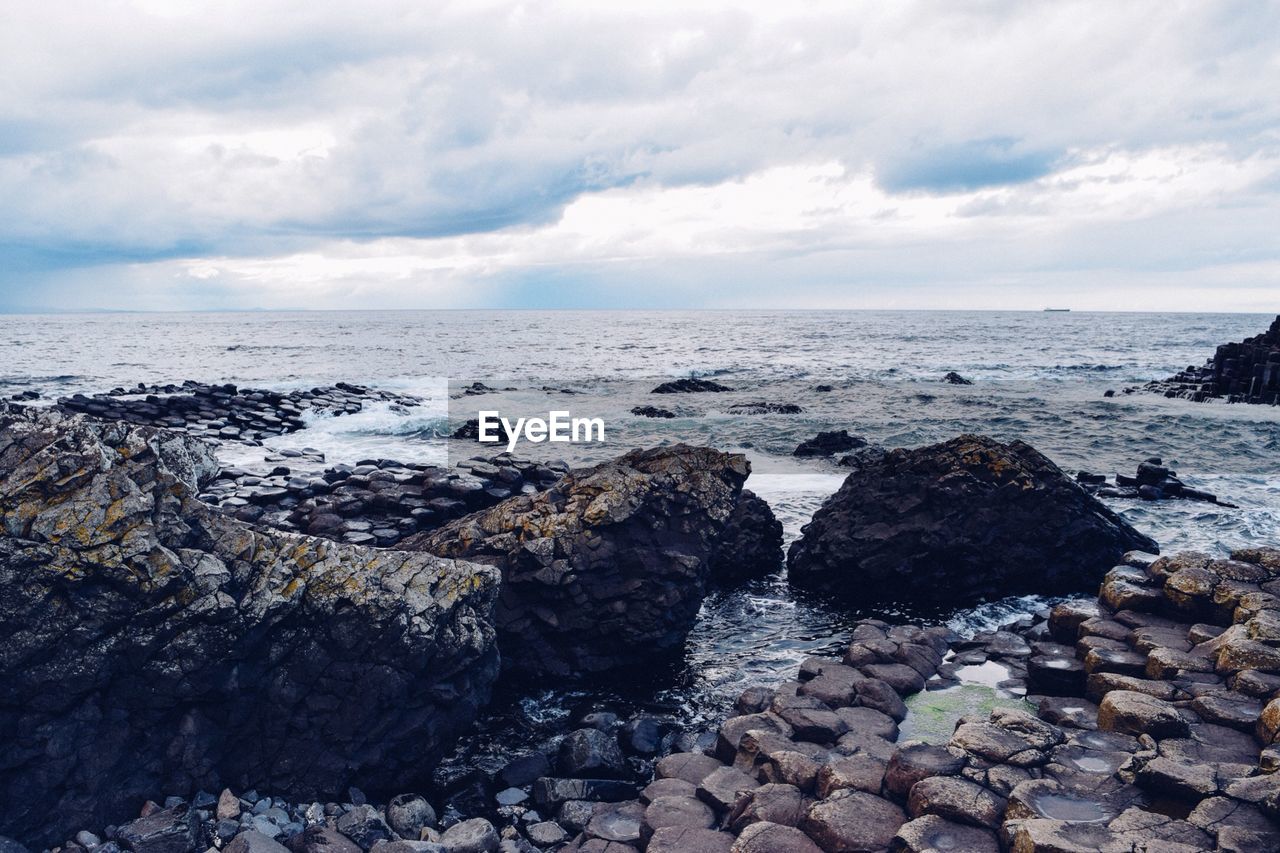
[(608, 566), (829, 444), (1151, 482), (751, 544), (970, 518), (1244, 372), (151, 643), (690, 386), (225, 412)]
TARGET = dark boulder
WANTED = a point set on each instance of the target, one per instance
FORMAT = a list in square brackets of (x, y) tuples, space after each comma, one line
[(154, 644), (690, 386), (751, 545), (763, 408), (653, 412), (607, 567), (471, 431), (829, 444), (967, 519), (953, 378)]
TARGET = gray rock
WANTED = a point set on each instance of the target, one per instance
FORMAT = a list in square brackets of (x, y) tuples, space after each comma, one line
[(767, 837), (689, 839), (591, 754), (364, 826), (931, 834), (853, 821), (408, 814), (167, 831), (471, 836), (255, 842), (545, 833)]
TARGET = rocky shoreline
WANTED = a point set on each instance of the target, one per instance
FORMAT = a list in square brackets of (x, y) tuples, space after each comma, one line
[(1151, 722), (176, 628)]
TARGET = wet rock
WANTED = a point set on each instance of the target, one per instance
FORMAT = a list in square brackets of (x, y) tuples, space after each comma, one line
[(364, 825), (1187, 781), (553, 792), (764, 408), (855, 772), (772, 803), (933, 834), (408, 814), (750, 545), (470, 836), (953, 378), (617, 822), (546, 833), (690, 386), (608, 567), (255, 842), (692, 767), (678, 811), (722, 787), (829, 444), (852, 821), (956, 799), (765, 837), (1137, 713), (167, 831), (652, 412), (951, 520), (211, 641), (688, 839), (591, 754), (915, 761)]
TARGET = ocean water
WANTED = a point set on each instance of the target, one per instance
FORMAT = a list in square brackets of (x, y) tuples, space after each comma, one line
[(1037, 376)]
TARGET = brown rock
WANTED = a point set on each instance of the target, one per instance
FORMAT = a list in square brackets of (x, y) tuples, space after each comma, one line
[(852, 821)]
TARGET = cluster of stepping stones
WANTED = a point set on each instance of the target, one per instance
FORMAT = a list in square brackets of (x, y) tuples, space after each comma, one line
[(1152, 482), (376, 501), (225, 412)]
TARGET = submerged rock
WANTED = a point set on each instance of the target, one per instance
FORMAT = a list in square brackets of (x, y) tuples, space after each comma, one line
[(1152, 482), (829, 444), (608, 566), (155, 644), (690, 386), (967, 519), (652, 412), (953, 378)]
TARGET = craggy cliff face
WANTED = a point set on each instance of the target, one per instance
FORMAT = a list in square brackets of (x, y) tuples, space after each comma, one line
[(150, 643)]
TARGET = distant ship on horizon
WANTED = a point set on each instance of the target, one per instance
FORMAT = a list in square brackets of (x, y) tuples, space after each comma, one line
[(1056, 310)]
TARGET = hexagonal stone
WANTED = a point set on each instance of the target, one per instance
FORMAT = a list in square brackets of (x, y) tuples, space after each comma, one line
[(765, 837), (1185, 781), (858, 772), (771, 803), (678, 811), (870, 721), (915, 761), (722, 787), (956, 799), (669, 787), (692, 767), (620, 822), (852, 821), (688, 839), (1227, 708), (1137, 713), (932, 834)]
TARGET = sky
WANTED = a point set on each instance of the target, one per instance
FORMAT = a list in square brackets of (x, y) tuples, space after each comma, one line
[(172, 155)]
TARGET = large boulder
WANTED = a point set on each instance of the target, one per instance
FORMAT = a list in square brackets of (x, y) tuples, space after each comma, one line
[(967, 519), (152, 644), (608, 566)]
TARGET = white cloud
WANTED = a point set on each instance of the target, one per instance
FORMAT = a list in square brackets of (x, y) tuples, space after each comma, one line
[(309, 153)]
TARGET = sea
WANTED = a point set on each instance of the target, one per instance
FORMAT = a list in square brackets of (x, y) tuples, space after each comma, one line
[(1036, 376)]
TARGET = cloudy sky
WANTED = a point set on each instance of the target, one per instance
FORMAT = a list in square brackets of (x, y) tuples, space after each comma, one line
[(179, 155)]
